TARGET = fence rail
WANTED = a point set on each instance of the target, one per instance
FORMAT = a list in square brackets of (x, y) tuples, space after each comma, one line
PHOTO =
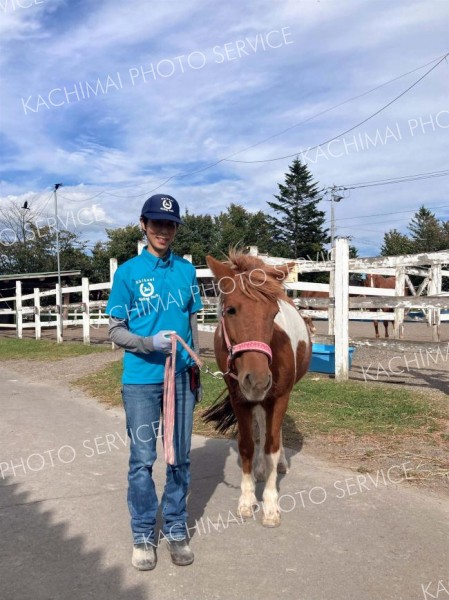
[(345, 303)]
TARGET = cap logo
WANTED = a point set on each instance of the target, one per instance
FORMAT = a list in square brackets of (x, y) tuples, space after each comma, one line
[(167, 204)]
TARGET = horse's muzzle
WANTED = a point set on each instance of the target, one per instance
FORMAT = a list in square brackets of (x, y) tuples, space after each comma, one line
[(255, 386)]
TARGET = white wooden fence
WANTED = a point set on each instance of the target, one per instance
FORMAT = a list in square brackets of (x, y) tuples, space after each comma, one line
[(338, 309), (29, 312)]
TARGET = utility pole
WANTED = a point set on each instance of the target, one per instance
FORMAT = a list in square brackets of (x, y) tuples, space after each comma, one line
[(59, 295), (334, 198)]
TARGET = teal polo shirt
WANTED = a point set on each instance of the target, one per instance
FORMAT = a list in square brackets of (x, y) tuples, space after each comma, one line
[(154, 294)]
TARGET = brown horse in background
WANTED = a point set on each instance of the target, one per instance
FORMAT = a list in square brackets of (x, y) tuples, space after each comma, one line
[(379, 281), (257, 319), (311, 294)]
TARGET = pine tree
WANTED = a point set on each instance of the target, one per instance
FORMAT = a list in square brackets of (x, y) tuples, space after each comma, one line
[(298, 231), (426, 231)]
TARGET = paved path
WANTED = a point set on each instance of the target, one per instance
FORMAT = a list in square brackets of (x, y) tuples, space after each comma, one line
[(64, 523)]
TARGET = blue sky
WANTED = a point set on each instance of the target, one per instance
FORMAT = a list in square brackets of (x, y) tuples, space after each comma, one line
[(113, 98)]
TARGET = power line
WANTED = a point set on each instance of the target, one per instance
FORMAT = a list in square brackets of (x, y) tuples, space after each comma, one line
[(402, 179), (323, 112), (228, 157), (347, 130), (396, 212)]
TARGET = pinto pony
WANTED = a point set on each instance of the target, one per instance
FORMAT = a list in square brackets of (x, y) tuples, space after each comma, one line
[(263, 346)]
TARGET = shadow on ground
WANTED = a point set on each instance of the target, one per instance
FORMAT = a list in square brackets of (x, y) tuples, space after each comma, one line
[(40, 560)]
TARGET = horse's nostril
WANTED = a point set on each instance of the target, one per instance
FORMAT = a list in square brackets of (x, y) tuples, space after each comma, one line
[(251, 382), (269, 381), (248, 380)]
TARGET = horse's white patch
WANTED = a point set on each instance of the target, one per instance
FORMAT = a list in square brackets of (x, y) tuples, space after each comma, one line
[(247, 498), (270, 495), (290, 321)]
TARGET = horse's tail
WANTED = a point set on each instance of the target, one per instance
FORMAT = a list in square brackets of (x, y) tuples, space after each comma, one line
[(221, 414)]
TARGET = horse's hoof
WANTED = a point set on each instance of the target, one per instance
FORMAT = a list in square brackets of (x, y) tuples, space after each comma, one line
[(282, 468), (247, 512), (271, 521)]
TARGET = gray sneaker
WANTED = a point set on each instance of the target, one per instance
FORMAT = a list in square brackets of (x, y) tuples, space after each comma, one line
[(144, 557), (180, 552)]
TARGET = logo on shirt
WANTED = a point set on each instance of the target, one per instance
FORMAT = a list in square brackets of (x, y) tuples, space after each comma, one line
[(167, 204), (146, 289)]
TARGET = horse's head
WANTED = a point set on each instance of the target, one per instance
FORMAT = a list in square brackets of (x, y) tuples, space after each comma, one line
[(249, 293), (369, 280)]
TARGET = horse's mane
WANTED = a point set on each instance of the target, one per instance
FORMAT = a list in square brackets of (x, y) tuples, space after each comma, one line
[(257, 280)]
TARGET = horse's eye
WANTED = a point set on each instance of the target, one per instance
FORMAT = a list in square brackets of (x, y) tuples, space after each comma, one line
[(231, 311)]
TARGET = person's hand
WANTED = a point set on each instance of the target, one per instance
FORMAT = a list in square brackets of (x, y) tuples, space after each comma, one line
[(162, 341)]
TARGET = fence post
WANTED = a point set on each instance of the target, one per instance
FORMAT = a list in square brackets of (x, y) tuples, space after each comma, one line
[(434, 289), (19, 313), (59, 337), (37, 314), (331, 308), (86, 309), (112, 268), (341, 290), (399, 312)]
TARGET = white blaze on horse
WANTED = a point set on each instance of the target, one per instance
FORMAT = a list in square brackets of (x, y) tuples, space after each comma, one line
[(263, 345)]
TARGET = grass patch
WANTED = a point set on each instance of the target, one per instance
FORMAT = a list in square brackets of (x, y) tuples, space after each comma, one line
[(104, 384), (44, 349), (316, 407)]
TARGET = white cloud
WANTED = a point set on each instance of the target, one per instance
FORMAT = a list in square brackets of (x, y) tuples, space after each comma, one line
[(133, 138)]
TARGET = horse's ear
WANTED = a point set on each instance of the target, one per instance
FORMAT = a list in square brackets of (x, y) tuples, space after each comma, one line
[(223, 273), (281, 272)]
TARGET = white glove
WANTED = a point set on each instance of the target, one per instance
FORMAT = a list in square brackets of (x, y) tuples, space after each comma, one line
[(162, 341)]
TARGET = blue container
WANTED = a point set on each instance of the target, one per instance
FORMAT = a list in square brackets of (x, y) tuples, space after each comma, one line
[(323, 358)]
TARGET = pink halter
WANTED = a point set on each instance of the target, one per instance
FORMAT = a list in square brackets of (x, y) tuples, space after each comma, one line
[(253, 346)]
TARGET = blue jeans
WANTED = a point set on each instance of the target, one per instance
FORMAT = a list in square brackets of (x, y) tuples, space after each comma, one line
[(143, 405)]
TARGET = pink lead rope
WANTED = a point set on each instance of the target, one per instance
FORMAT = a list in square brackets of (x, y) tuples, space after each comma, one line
[(170, 374), (169, 396)]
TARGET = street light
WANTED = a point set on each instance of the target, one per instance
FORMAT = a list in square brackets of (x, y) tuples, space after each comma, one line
[(56, 187)]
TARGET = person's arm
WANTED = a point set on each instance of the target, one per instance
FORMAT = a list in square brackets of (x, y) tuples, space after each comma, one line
[(194, 327), (122, 337)]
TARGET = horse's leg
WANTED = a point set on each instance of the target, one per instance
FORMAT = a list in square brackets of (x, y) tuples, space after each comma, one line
[(260, 418), (376, 328), (275, 415), (246, 449), (282, 464), (386, 328)]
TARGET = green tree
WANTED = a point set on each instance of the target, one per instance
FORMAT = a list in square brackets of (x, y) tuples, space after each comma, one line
[(123, 241), (237, 227), (196, 236), (396, 243), (298, 229), (27, 248), (426, 232)]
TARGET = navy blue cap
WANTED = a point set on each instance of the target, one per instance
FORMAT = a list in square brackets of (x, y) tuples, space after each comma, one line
[(161, 207)]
